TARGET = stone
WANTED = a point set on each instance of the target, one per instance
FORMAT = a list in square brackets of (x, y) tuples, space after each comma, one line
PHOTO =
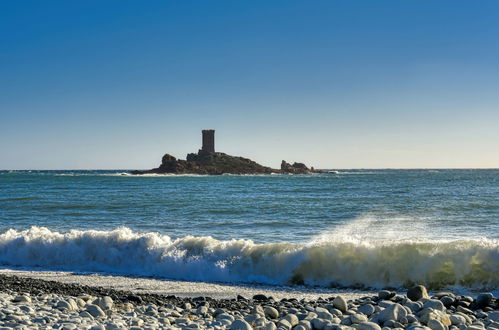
[(292, 319), (319, 324), (456, 319), (366, 309), (494, 316), (483, 300), (300, 327), (26, 309), (358, 318), (428, 314), (106, 303), (385, 294), (417, 292), (86, 314), (260, 297), (368, 326), (240, 325), (447, 301), (284, 324), (306, 324), (269, 326), (65, 304), (325, 315), (475, 327), (385, 303), (394, 312), (95, 311), (436, 325), (340, 303), (202, 310), (22, 299), (271, 312), (225, 316), (435, 304)]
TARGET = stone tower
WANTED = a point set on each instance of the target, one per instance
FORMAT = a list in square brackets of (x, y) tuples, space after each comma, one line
[(208, 141)]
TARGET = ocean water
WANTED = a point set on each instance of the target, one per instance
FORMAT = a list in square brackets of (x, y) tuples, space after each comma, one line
[(357, 228)]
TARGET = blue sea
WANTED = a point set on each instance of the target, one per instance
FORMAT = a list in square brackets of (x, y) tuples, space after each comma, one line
[(354, 228)]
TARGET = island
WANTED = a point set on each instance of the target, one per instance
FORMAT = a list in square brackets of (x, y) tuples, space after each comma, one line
[(207, 161)]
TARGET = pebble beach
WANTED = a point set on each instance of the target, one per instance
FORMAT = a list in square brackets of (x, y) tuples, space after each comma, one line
[(27, 303)]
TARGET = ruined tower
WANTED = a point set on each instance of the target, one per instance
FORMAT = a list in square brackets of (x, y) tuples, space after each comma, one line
[(208, 141)]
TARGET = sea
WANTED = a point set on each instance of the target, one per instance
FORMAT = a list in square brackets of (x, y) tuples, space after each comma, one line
[(359, 229)]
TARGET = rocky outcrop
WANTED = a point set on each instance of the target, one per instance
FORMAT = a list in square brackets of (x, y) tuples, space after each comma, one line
[(296, 168), (217, 163)]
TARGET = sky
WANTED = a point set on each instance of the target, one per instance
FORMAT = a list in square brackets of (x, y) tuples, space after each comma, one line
[(97, 84)]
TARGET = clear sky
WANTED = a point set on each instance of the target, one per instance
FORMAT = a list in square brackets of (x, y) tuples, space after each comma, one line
[(335, 84)]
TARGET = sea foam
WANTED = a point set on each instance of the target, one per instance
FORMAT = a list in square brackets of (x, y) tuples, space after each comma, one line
[(323, 262)]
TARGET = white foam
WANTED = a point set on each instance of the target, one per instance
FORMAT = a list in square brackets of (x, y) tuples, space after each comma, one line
[(377, 263)]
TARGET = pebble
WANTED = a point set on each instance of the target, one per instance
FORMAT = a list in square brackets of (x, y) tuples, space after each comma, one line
[(271, 312), (366, 309), (340, 303), (95, 311), (385, 294), (417, 292), (387, 311)]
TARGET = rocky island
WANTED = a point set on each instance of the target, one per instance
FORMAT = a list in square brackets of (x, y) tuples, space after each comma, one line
[(207, 161)]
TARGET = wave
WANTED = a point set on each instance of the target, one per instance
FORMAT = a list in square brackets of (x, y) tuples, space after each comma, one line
[(468, 263)]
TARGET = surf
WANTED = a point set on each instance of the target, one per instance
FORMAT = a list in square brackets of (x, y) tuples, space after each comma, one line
[(324, 263)]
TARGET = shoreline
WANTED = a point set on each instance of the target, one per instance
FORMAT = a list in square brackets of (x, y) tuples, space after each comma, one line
[(184, 289), (38, 303)]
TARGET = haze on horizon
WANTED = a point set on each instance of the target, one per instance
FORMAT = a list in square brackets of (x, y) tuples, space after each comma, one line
[(334, 84)]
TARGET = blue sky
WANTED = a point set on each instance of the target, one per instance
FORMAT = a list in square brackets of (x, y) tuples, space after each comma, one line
[(335, 84)]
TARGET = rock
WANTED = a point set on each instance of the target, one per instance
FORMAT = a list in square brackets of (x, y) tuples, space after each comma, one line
[(306, 324), (417, 292), (300, 327), (475, 327), (385, 294), (483, 300), (22, 299), (86, 314), (358, 318), (456, 319), (65, 304), (225, 316), (428, 314), (271, 312), (447, 301), (366, 309), (260, 297), (413, 306), (296, 168), (340, 303), (494, 316), (292, 319), (325, 315), (202, 310), (435, 304), (26, 309), (319, 324), (269, 326), (284, 324), (106, 303), (240, 325), (368, 326), (95, 311), (392, 324), (436, 325), (394, 312)]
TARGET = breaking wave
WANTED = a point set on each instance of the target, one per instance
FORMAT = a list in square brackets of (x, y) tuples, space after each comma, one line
[(468, 263)]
